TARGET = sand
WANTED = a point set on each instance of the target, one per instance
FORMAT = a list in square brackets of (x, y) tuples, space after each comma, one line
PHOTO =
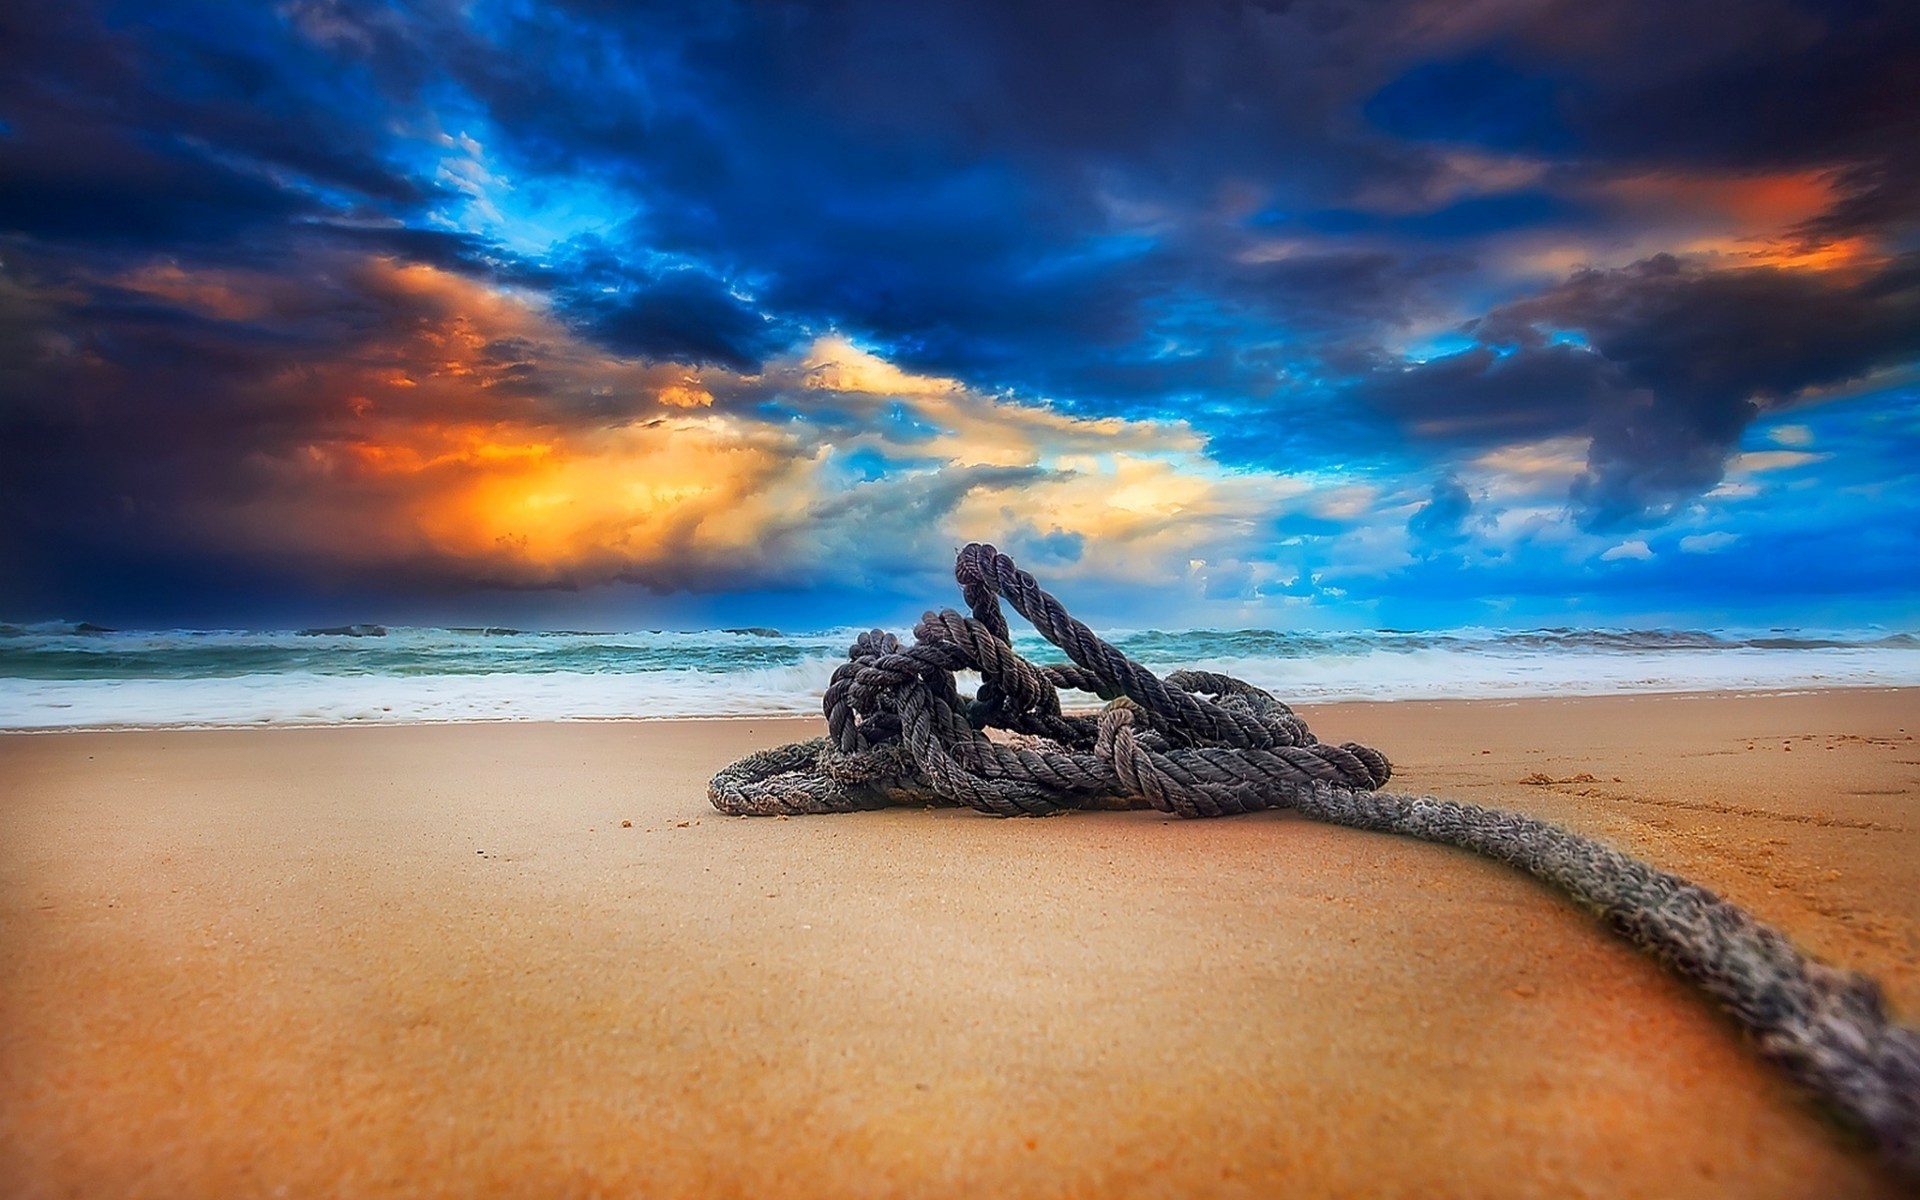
[(438, 961)]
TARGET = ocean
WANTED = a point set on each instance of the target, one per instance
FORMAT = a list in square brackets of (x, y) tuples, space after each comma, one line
[(64, 676)]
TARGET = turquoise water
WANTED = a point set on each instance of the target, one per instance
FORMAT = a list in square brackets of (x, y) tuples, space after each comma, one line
[(67, 676)]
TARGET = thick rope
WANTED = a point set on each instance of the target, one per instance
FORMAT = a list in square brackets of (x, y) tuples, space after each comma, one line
[(1197, 744)]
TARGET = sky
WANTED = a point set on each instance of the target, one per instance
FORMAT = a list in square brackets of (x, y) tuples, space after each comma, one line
[(1396, 314)]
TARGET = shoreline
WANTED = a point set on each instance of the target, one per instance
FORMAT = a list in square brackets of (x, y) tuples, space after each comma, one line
[(1495, 701), (430, 959)]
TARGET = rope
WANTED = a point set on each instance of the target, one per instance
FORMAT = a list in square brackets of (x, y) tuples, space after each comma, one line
[(1197, 744)]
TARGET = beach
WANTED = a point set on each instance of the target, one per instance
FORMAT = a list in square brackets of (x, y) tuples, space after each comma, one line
[(529, 958)]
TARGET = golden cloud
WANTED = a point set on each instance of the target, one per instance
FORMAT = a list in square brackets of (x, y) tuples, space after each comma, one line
[(474, 434)]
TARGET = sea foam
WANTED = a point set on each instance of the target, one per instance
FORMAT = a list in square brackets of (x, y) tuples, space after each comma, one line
[(64, 677)]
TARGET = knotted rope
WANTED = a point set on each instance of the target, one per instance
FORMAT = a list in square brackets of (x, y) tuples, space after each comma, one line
[(1197, 744)]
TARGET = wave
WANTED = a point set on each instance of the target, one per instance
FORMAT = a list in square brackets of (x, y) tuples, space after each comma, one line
[(70, 675), (306, 698)]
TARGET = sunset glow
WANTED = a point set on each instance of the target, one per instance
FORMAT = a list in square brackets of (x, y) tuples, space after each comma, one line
[(1376, 330)]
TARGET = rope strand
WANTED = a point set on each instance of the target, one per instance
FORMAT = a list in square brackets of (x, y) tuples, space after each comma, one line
[(1198, 744)]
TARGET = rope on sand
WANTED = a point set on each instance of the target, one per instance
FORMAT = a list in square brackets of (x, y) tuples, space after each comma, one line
[(1197, 744)]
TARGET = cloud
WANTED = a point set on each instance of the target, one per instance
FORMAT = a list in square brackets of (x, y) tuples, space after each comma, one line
[(1478, 101), (1663, 365), (1635, 549), (432, 432), (416, 293), (1442, 519), (683, 316), (1755, 461), (1708, 543), (1746, 87), (180, 138)]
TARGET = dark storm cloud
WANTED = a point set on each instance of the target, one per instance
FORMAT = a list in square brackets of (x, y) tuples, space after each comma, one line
[(1018, 195), (1489, 395), (684, 316), (1232, 213), (1670, 365), (131, 417), (131, 405), (1339, 296), (1731, 85), (186, 127), (1477, 99), (1025, 197), (1011, 194), (105, 188), (1442, 520), (677, 314), (450, 250), (1784, 85)]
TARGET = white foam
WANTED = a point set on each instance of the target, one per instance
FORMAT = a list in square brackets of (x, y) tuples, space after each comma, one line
[(1450, 674), (305, 698)]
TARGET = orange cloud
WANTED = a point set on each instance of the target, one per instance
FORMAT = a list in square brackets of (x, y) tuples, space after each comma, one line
[(1746, 219), (470, 433), (228, 296), (1732, 220), (1743, 204)]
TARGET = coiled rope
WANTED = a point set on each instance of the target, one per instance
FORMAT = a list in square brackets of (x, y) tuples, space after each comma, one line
[(1197, 744)]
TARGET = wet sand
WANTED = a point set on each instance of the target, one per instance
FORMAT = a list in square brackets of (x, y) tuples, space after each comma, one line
[(436, 961)]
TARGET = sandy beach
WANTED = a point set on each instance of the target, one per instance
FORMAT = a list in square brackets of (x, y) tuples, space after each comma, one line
[(438, 960)]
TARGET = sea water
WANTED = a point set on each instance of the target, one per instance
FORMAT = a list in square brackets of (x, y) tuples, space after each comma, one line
[(61, 676)]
